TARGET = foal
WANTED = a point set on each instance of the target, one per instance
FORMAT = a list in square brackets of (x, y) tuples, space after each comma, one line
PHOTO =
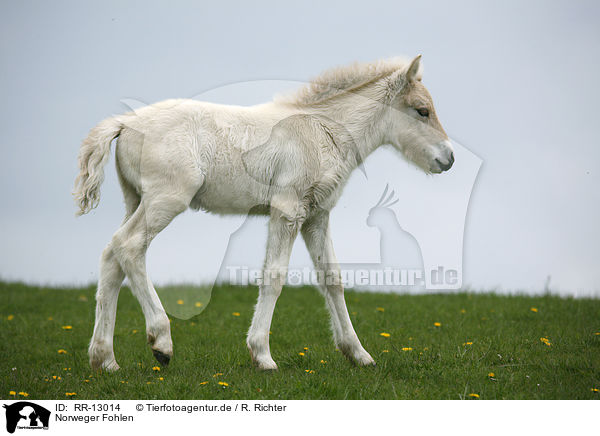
[(288, 158)]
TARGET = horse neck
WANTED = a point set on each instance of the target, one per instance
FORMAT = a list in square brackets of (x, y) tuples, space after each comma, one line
[(357, 123)]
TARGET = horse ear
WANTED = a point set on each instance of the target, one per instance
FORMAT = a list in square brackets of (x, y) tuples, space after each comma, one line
[(412, 73)]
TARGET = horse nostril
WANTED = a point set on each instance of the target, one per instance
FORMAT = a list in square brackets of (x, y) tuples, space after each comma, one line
[(445, 166), (451, 158)]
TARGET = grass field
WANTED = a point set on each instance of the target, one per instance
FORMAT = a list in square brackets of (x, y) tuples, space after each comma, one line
[(485, 347)]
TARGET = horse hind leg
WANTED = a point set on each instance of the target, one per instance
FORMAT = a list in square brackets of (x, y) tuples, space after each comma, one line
[(101, 352), (158, 207)]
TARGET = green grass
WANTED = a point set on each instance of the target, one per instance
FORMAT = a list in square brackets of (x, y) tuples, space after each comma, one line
[(504, 331)]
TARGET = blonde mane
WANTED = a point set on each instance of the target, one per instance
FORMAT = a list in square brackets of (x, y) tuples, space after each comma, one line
[(340, 80)]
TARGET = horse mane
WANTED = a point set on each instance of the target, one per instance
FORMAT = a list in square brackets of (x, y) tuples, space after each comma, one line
[(340, 80)]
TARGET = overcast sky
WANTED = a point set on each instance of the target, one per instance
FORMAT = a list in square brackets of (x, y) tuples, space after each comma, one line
[(516, 83)]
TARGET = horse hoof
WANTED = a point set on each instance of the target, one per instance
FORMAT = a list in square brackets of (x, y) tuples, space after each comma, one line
[(162, 358)]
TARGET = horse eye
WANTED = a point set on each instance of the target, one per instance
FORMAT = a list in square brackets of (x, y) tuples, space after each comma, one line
[(424, 112)]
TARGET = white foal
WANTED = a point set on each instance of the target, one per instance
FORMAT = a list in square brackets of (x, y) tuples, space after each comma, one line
[(288, 158)]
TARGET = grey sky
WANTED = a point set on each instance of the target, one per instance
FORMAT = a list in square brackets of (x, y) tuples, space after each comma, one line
[(516, 83)]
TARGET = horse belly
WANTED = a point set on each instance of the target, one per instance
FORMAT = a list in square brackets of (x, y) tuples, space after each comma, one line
[(228, 198)]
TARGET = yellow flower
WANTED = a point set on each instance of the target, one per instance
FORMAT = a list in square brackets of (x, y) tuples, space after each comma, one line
[(161, 378), (300, 353), (222, 383), (437, 324), (593, 390), (406, 349), (380, 309), (467, 343), (426, 349), (179, 301), (323, 361), (474, 395), (156, 368), (534, 309), (134, 331), (217, 374), (463, 311), (305, 348), (10, 317), (236, 314), (67, 327), (385, 351), (70, 394), (385, 335), (198, 304), (61, 351), (546, 341), (12, 393), (24, 394), (491, 374), (148, 383), (597, 333), (309, 371), (86, 380), (50, 318), (204, 382)]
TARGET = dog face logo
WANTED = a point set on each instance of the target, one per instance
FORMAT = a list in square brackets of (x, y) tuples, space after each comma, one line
[(25, 414)]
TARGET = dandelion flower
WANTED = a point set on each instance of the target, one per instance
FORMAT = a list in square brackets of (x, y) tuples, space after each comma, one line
[(546, 341), (309, 371), (179, 302), (597, 333), (323, 361), (463, 311), (300, 353), (534, 309), (24, 394), (472, 395), (12, 393), (161, 378), (204, 383), (236, 314), (593, 390), (385, 351), (198, 304), (86, 380), (305, 348), (70, 394), (148, 383), (380, 309), (10, 317), (406, 349), (437, 324), (222, 383), (385, 335), (156, 368), (491, 374), (67, 327), (467, 343), (217, 374), (134, 331)]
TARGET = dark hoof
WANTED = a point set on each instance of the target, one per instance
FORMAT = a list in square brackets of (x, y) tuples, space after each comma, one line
[(162, 358)]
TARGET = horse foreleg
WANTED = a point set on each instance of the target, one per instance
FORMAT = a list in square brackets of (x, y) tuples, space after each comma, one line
[(315, 232), (282, 233)]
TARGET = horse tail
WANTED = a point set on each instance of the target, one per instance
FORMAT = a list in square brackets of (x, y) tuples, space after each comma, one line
[(93, 155)]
